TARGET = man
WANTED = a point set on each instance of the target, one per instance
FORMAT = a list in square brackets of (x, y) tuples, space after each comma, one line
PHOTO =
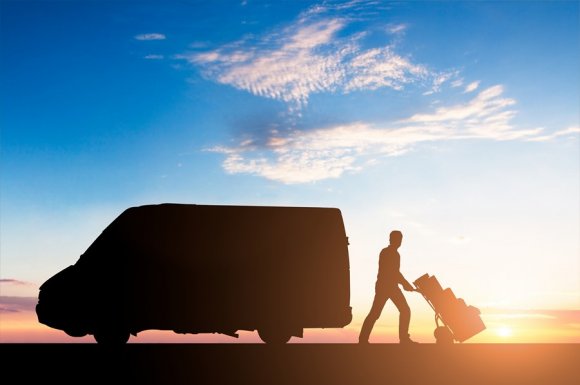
[(387, 286)]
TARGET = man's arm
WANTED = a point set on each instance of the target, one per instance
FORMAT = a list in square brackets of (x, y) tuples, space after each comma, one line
[(406, 285)]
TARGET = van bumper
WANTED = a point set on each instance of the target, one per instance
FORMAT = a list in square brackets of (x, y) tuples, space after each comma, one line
[(336, 320), (44, 317)]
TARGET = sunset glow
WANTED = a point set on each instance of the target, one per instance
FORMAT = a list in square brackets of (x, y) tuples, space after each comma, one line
[(515, 327), (504, 331)]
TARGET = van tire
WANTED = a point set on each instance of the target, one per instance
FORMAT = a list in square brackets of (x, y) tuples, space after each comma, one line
[(274, 336), (111, 337)]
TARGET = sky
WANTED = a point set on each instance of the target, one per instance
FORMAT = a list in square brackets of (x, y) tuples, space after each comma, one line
[(457, 123)]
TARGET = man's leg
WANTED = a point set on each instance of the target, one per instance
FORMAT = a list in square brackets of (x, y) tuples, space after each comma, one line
[(404, 313), (374, 314)]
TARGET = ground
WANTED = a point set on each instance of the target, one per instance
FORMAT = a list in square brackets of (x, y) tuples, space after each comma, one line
[(293, 364)]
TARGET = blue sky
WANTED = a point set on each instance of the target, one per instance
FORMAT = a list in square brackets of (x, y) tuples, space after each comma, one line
[(457, 122)]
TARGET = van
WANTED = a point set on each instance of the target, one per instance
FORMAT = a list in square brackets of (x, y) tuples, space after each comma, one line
[(206, 269)]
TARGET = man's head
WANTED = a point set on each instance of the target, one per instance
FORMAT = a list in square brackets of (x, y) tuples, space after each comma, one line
[(395, 238)]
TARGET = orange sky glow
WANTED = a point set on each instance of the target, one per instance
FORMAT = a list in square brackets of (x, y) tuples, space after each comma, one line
[(503, 326)]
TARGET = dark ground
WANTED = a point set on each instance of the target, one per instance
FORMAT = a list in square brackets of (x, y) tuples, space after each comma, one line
[(292, 364)]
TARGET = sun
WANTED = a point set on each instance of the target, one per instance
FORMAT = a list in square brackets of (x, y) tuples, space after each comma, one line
[(504, 331)]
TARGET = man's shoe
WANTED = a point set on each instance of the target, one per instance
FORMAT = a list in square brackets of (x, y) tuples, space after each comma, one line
[(363, 342), (408, 341)]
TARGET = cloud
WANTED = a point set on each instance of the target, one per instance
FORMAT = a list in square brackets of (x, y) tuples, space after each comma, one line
[(298, 156), (10, 281), (381, 67), (564, 132), (457, 83), (290, 71), (472, 86), (545, 325), (150, 36), (315, 54), (488, 115), (397, 29), (486, 102), (439, 80), (17, 304), (153, 57), (198, 44), (550, 316), (519, 315)]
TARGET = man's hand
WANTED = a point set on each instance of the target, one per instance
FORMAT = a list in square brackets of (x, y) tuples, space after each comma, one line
[(408, 287)]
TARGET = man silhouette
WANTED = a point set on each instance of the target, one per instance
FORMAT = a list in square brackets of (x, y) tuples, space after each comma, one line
[(387, 286)]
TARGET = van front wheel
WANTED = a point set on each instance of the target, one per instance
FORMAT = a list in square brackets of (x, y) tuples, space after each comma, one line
[(274, 336), (111, 337)]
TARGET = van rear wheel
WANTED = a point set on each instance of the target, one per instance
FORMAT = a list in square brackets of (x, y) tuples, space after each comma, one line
[(111, 337), (274, 336)]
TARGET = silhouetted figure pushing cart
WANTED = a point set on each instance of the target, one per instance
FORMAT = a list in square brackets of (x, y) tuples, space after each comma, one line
[(458, 320)]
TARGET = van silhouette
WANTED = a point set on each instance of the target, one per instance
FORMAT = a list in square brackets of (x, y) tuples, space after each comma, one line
[(206, 269)]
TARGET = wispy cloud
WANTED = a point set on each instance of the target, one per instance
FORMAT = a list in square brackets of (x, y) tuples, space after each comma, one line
[(153, 57), (439, 79), (17, 304), (457, 83), (314, 54), (381, 67), (10, 281), (150, 36), (307, 156), (397, 29), (487, 107), (539, 325), (198, 44), (519, 315), (564, 132), (567, 317), (472, 86), (291, 71)]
